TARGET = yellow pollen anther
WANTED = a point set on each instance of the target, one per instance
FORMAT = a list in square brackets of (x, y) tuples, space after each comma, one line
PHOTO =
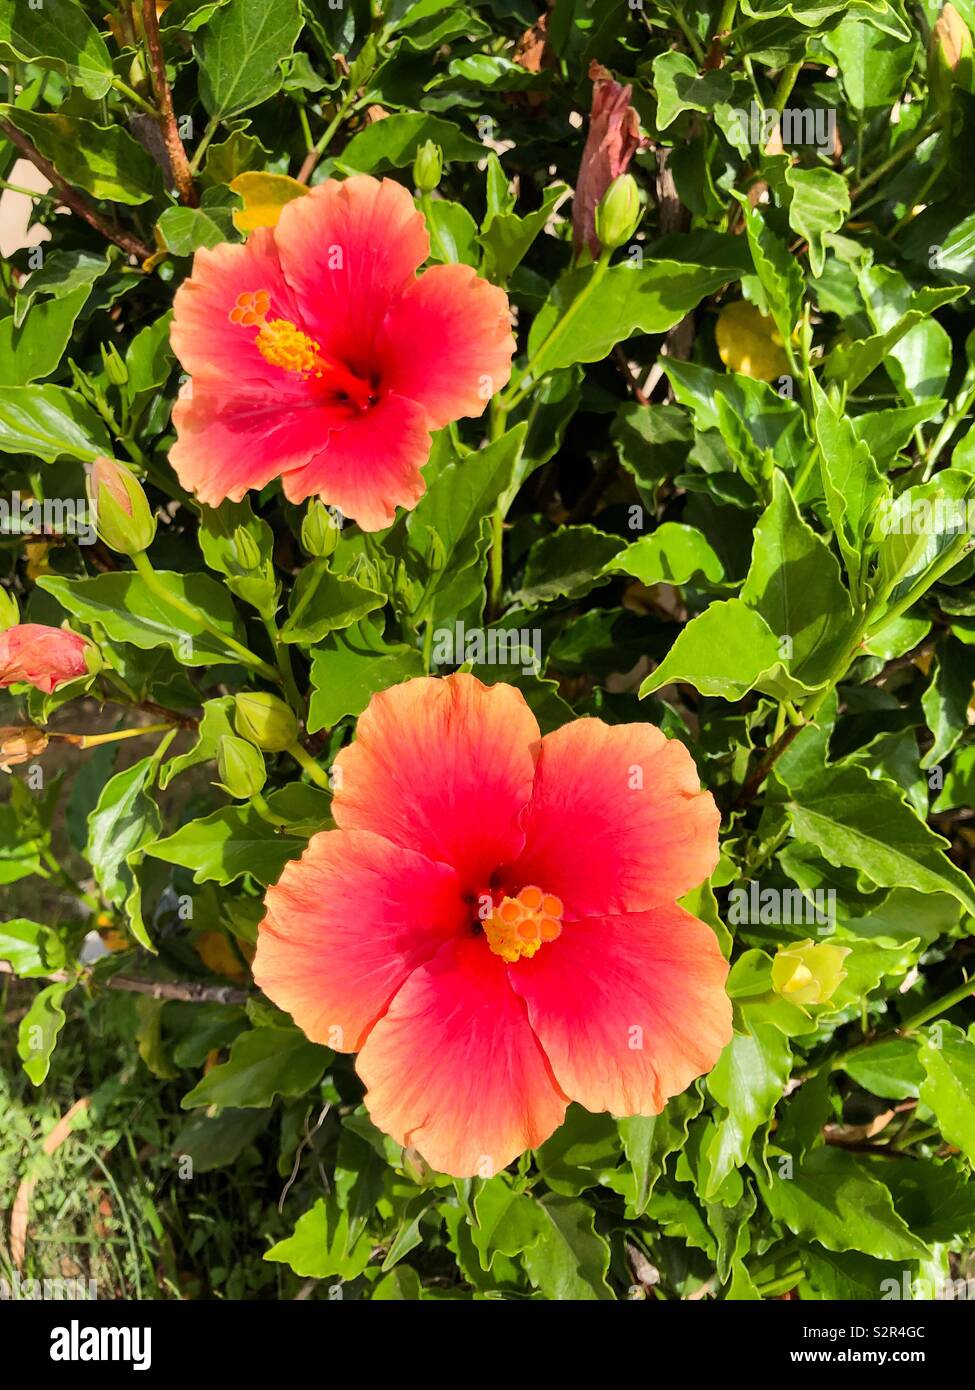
[(279, 341), (518, 927)]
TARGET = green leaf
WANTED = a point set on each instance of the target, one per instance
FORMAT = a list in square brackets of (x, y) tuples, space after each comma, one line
[(679, 87), (30, 947), (62, 273), (566, 564), (185, 230), (507, 238), (231, 842), (129, 611), (648, 1140), (727, 650), (748, 1080), (778, 271), (149, 358), (324, 602), (215, 722), (832, 1199), (34, 350), (864, 823), (49, 422), (57, 35), (124, 820), (890, 1069), (215, 1141), (393, 143), (38, 1032), (583, 1149), (948, 1058), (576, 326), (241, 51), (321, 1246), (846, 1275), (348, 669), (851, 363), (794, 583), (453, 233), (263, 1063), (103, 160), (946, 700), (672, 554), (569, 1261), (820, 204), (851, 484)]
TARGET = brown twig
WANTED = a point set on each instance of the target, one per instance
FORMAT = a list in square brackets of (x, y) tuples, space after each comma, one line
[(178, 163), (188, 991), (772, 756), (72, 199)]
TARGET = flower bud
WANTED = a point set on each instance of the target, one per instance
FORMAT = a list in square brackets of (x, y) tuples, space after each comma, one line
[(241, 767), (115, 368), (19, 744), (247, 552), (320, 530), (123, 518), (949, 56), (427, 167), (618, 212), (9, 612), (808, 974), (266, 721)]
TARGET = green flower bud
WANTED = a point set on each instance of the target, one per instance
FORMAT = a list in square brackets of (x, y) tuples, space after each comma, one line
[(123, 518), (115, 368), (949, 56), (241, 767), (619, 212), (266, 721), (320, 530), (427, 167), (246, 550), (808, 974), (9, 612)]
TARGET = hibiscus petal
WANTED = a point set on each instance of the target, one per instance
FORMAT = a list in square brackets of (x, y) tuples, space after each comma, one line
[(370, 466), (629, 1009), (447, 343), (346, 925), (229, 440), (349, 250), (618, 821), (454, 1070), (444, 767), (202, 335)]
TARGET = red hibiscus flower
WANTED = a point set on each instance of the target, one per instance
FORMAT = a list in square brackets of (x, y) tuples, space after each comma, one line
[(41, 656), (319, 356), (494, 928)]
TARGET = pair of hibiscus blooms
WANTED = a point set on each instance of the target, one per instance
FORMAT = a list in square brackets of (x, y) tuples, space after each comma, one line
[(494, 925)]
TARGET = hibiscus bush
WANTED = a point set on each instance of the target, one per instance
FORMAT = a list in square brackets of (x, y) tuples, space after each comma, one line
[(487, 642)]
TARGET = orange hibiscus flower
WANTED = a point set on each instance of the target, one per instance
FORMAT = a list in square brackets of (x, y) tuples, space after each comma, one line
[(493, 927)]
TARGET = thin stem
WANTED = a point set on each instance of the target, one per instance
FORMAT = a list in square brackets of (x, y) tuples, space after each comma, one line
[(307, 762), (94, 740), (146, 572), (325, 139), (265, 812), (783, 90), (282, 655), (130, 94), (924, 130)]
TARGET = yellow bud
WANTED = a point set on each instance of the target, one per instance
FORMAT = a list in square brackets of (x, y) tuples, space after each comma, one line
[(808, 974)]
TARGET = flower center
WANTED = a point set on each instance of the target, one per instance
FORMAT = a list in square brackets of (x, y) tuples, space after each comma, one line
[(520, 926), (279, 341), (283, 344)]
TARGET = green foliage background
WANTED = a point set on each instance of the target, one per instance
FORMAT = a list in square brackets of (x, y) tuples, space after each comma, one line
[(663, 543)]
